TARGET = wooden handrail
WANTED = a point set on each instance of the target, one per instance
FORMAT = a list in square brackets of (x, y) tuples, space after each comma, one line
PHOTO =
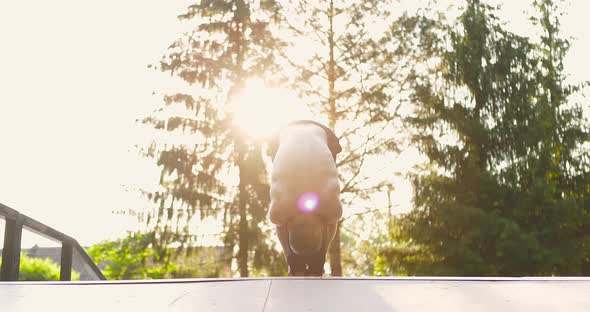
[(15, 222)]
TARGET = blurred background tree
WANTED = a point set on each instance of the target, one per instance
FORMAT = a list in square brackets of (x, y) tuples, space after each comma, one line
[(230, 42), (338, 77), (501, 195), (132, 258), (505, 187)]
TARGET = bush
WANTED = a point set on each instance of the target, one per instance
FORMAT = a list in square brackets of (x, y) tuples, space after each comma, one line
[(35, 269), (131, 257)]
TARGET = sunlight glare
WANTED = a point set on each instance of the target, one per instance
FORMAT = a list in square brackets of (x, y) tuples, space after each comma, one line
[(308, 202), (260, 110)]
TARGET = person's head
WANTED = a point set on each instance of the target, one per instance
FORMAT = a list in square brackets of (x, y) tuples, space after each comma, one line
[(305, 236)]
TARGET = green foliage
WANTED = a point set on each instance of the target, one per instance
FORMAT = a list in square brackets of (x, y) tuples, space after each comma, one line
[(506, 191), (231, 41), (132, 257), (507, 187), (36, 269), (33, 269)]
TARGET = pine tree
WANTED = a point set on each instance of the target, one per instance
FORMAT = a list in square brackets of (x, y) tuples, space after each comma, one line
[(555, 169), (493, 118), (341, 85), (230, 42)]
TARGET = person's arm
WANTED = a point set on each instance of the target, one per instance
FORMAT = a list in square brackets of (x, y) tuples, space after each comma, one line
[(273, 146)]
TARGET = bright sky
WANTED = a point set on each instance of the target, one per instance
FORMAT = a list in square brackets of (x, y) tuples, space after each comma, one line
[(73, 79)]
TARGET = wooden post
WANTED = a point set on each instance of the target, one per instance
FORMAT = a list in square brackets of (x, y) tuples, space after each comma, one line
[(13, 233), (65, 272)]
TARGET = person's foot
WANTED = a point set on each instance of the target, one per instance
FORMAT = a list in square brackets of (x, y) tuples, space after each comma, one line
[(296, 273), (314, 274)]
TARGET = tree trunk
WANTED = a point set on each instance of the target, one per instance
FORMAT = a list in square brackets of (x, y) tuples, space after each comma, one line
[(334, 251), (243, 237), (243, 230), (335, 259)]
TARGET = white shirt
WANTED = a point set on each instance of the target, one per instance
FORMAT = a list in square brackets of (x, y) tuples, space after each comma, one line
[(304, 164)]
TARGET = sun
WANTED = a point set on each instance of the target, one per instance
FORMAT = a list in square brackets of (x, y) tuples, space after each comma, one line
[(260, 110)]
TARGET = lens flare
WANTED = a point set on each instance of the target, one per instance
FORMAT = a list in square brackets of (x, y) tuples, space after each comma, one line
[(308, 202)]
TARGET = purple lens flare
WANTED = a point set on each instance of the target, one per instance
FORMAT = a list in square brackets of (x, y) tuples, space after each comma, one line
[(308, 202)]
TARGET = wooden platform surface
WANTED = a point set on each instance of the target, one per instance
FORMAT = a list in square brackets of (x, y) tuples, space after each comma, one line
[(302, 294)]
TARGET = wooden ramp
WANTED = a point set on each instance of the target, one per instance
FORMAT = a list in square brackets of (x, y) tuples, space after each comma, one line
[(302, 294)]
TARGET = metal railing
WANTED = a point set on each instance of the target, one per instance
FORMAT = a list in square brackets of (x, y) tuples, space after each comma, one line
[(15, 222)]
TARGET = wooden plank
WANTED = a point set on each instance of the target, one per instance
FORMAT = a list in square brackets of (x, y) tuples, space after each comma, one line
[(424, 295), (303, 294), (241, 296)]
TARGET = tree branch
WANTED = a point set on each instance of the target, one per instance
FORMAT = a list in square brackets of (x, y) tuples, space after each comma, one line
[(347, 184), (369, 139), (359, 214)]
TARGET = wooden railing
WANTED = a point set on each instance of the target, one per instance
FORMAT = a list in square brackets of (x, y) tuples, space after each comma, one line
[(15, 222)]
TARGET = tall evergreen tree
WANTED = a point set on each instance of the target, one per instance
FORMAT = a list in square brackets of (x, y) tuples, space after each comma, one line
[(340, 84), (494, 120), (409, 45), (555, 169), (230, 42)]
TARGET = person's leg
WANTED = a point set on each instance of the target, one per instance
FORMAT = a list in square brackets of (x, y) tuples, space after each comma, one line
[(294, 262), (316, 263), (309, 266)]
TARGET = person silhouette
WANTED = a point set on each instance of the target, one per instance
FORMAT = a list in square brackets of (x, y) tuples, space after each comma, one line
[(305, 194)]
